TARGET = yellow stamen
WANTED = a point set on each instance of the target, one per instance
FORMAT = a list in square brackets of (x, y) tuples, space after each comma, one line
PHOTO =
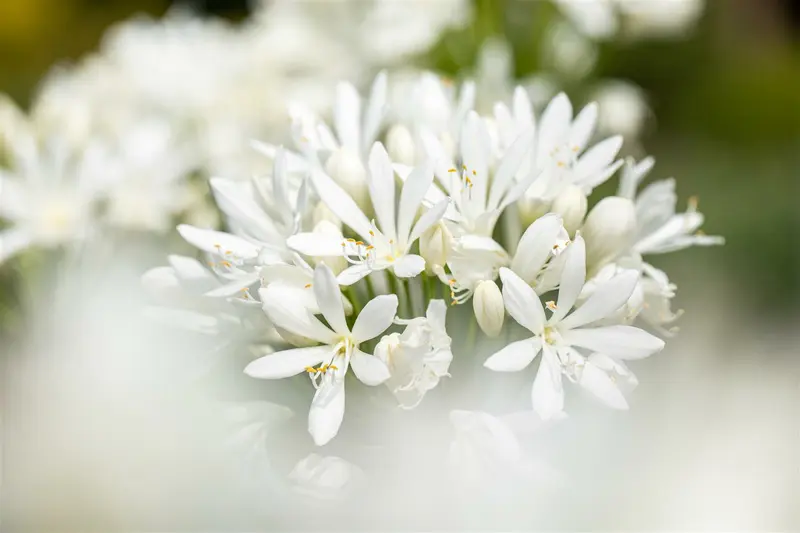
[(307, 286)]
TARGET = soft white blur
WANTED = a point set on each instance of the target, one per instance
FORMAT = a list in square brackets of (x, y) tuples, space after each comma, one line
[(114, 421)]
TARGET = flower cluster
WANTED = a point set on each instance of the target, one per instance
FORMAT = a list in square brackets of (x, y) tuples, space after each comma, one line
[(367, 228)]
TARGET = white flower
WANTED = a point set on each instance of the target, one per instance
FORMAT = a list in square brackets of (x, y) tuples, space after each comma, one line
[(49, 195), (572, 205), (560, 336), (658, 228), (233, 259), (419, 357), (264, 215), (561, 149), (479, 193), (325, 477), (339, 352), (385, 245)]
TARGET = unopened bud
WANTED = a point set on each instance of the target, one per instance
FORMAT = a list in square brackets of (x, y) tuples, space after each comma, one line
[(346, 169), (487, 302), (532, 208), (435, 245), (609, 231), (571, 204), (400, 145)]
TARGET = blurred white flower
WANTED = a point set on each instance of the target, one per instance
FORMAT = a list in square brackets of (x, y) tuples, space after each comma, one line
[(325, 477), (622, 108)]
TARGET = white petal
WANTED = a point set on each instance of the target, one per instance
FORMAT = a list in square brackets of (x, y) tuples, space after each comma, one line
[(583, 127), (623, 342), (523, 112), (441, 161), (347, 116), (535, 246), (522, 302), (218, 242), (340, 203), (233, 287), (408, 266), (192, 273), (600, 384), (415, 189), (428, 219), (375, 318), (376, 109), (287, 363), (316, 244), (515, 356), (236, 200), (290, 314), (325, 417), (329, 298), (509, 165), (12, 241), (547, 394), (370, 370), (381, 189), (607, 298), (475, 154), (597, 158), (556, 119), (573, 277), (353, 274)]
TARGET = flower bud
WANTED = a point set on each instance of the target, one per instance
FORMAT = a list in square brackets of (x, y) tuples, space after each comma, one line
[(323, 213), (400, 145), (487, 302), (346, 169), (435, 245), (338, 263), (609, 231), (532, 208), (571, 204)]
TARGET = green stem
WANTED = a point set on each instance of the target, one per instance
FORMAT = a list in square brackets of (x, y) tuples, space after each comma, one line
[(472, 333), (426, 288), (353, 297), (394, 287), (370, 287)]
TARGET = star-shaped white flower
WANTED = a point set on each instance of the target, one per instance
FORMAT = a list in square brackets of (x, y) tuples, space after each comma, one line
[(560, 337), (339, 351), (385, 245), (659, 228)]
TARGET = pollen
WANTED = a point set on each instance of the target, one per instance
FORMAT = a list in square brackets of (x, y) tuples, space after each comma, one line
[(474, 173), (351, 240), (359, 243), (452, 170), (576, 148), (310, 369), (333, 367), (370, 247), (371, 233), (551, 305), (561, 164), (308, 286), (225, 263)]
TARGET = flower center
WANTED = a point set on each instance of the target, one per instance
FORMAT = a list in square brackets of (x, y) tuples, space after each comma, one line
[(334, 369)]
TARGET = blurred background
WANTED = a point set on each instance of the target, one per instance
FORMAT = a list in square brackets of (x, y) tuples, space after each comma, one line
[(713, 437)]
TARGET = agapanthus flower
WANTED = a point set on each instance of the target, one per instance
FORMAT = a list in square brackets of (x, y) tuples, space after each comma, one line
[(561, 337), (382, 245), (327, 364)]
